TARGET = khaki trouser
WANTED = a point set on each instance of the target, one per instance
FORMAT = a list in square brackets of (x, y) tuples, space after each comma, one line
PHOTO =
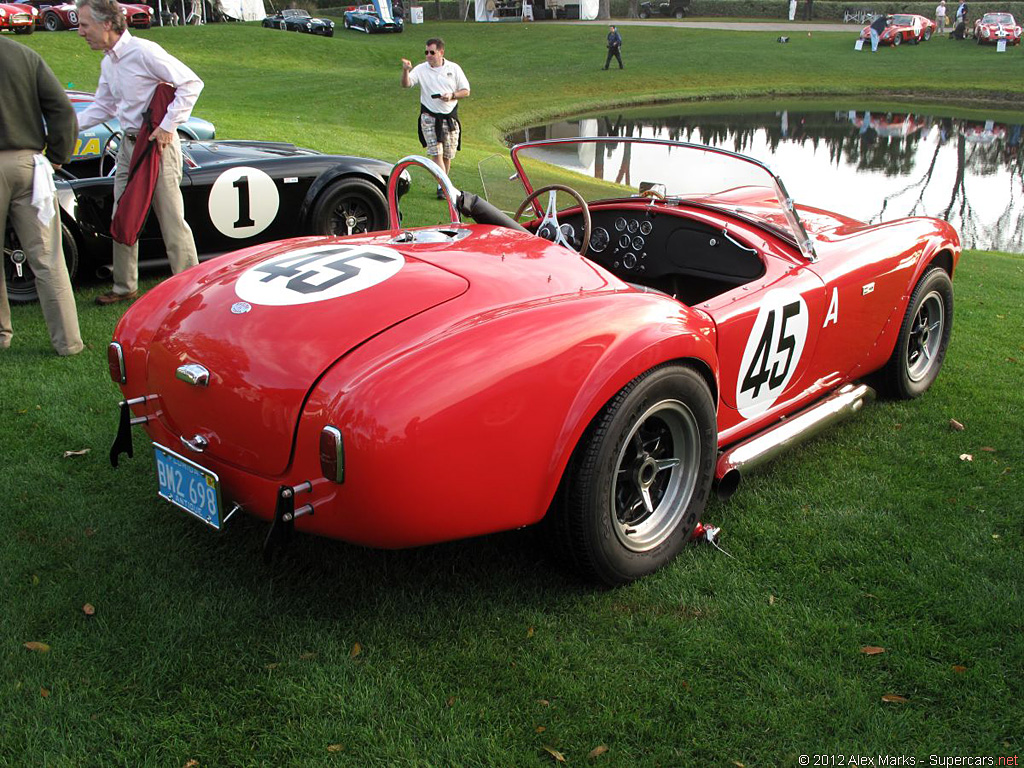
[(170, 212), (44, 251)]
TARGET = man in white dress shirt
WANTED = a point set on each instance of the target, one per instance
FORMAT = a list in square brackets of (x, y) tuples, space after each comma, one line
[(442, 83), (129, 74)]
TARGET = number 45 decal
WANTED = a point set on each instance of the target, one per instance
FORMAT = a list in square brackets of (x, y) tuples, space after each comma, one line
[(772, 352)]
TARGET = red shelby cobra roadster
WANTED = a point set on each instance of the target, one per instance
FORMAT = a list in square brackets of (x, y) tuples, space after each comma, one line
[(598, 369)]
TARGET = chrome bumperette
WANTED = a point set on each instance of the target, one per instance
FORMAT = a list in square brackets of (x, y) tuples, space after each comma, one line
[(194, 374), (740, 459)]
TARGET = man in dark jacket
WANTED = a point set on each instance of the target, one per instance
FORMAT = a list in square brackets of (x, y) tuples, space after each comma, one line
[(36, 117), (614, 44), (877, 28)]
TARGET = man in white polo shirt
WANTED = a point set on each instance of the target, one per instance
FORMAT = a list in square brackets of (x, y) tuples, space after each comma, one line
[(442, 83)]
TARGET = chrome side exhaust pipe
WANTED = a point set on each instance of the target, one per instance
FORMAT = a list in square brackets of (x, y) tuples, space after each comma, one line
[(738, 460)]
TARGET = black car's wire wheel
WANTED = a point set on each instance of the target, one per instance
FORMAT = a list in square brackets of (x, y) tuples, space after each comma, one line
[(21, 289), (350, 207), (52, 22), (640, 477), (924, 337)]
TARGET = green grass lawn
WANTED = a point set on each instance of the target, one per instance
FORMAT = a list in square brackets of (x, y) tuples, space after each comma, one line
[(483, 652)]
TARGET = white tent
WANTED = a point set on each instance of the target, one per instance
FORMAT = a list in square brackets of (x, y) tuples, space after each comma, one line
[(244, 10), (588, 9)]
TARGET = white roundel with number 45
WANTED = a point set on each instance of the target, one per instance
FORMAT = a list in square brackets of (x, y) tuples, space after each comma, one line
[(772, 353)]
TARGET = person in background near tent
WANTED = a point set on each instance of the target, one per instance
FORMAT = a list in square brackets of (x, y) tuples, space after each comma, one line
[(614, 45), (36, 117), (876, 29), (940, 17), (808, 9), (442, 83), (792, 10), (131, 70), (961, 12)]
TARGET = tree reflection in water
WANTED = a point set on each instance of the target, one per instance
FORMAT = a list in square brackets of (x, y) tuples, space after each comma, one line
[(969, 172)]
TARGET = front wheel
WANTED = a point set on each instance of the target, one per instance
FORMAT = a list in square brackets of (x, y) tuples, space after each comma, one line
[(927, 36), (896, 40), (22, 290), (924, 337), (52, 22), (27, 30), (679, 13), (349, 207), (639, 479)]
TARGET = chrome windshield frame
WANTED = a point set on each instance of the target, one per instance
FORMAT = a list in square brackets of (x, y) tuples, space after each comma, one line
[(801, 238)]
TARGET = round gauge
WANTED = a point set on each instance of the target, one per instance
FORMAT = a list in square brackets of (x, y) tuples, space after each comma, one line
[(620, 224), (629, 261), (547, 231), (624, 241), (569, 233), (646, 227), (637, 243), (632, 226), (599, 240)]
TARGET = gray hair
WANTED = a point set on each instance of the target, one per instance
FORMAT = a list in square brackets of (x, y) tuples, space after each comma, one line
[(105, 10)]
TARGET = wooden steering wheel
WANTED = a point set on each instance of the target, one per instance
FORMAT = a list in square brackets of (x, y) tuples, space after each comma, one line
[(550, 219)]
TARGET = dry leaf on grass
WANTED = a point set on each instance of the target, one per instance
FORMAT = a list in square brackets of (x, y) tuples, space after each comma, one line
[(307, 655), (988, 449), (89, 609), (872, 650), (959, 669), (956, 426), (79, 452), (771, 599), (893, 698), (335, 747), (529, 632), (191, 764), (597, 751), (356, 650), (544, 702), (44, 692), (540, 729), (559, 757), (966, 457), (738, 764), (451, 701), (34, 645)]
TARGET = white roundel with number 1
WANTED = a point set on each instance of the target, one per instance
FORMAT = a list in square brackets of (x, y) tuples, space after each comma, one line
[(773, 351), (243, 202)]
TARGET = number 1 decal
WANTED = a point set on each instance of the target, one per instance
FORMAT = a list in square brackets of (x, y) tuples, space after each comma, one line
[(772, 352), (243, 202)]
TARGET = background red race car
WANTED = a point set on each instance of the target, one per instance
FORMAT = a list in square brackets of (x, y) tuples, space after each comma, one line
[(594, 371), (18, 18), (993, 27), (56, 16), (903, 28)]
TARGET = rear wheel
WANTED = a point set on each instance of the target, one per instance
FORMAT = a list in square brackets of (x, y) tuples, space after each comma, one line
[(679, 13), (927, 35), (52, 22), (897, 39), (640, 477), (924, 337), (22, 290), (349, 207)]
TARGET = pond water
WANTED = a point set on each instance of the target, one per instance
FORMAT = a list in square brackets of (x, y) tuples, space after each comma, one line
[(873, 164)]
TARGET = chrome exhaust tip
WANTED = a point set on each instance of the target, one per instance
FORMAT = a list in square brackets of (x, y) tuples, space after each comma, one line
[(740, 459)]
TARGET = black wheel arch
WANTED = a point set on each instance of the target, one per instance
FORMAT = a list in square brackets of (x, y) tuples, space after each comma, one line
[(328, 179)]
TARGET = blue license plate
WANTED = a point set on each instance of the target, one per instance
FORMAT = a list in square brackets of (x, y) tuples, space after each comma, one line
[(189, 486)]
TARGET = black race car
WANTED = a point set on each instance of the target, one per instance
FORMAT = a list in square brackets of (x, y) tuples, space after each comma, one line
[(675, 8), (237, 193), (297, 20)]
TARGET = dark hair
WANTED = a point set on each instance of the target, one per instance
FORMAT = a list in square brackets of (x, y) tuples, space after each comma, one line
[(437, 42), (105, 10)]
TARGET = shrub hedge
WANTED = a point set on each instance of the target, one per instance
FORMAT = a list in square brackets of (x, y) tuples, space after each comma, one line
[(823, 10)]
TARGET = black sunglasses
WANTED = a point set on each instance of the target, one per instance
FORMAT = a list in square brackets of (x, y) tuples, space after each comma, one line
[(430, 53)]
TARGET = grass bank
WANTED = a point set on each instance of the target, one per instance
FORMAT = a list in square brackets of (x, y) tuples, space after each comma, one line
[(881, 534)]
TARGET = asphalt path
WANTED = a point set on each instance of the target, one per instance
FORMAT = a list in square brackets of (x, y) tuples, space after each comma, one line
[(782, 25)]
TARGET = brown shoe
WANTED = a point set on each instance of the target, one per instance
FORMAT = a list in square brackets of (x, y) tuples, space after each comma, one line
[(111, 297)]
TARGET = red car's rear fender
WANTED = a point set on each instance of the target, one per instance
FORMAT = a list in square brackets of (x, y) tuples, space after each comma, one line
[(467, 431)]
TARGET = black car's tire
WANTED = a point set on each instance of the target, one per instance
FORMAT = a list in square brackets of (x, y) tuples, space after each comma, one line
[(927, 35), (896, 40), (923, 339), (639, 479), (23, 290), (52, 22), (349, 206), (679, 13), (643, 14)]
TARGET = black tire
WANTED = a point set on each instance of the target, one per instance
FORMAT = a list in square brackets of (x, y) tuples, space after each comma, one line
[(643, 14), (52, 22), (896, 40), (679, 13), (345, 24), (924, 337), (927, 36), (349, 206), (22, 290), (624, 509), (25, 30)]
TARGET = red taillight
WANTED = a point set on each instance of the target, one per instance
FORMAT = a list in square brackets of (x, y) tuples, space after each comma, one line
[(115, 362), (332, 454)]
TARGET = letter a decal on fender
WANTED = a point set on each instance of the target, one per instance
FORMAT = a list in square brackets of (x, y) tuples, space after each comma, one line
[(833, 309), (772, 353)]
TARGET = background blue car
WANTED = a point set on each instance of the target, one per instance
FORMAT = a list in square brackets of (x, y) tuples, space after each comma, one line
[(378, 16)]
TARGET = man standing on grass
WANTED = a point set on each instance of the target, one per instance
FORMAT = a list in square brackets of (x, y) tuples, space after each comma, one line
[(614, 44), (940, 17), (876, 29), (36, 117), (442, 83), (131, 70)]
